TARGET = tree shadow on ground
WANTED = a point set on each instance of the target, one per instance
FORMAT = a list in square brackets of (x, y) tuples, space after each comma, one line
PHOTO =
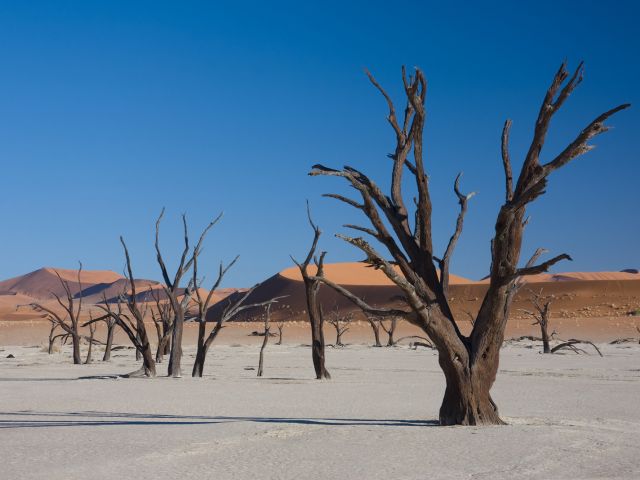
[(95, 418)]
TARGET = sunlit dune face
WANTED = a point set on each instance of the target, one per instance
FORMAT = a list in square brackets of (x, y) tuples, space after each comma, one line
[(356, 273)]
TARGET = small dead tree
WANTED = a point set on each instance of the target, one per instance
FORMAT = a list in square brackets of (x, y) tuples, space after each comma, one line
[(469, 362), (280, 327), (390, 330), (340, 323), (69, 321), (314, 311), (541, 317), (374, 322), (265, 340), (132, 323)]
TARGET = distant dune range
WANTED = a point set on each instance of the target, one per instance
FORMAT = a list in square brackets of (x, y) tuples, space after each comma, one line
[(576, 294)]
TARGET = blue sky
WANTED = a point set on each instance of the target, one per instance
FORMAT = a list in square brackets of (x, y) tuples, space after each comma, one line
[(110, 110)]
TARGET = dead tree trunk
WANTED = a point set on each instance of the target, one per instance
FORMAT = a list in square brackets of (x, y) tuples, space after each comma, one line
[(469, 363), (280, 328), (265, 340), (390, 331), (92, 331), (375, 326), (69, 321), (163, 321), (314, 310), (111, 327)]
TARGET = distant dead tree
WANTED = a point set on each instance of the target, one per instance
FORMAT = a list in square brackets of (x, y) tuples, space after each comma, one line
[(469, 363), (280, 326), (132, 321), (312, 286), (541, 317), (341, 323), (162, 318), (69, 321), (265, 340), (390, 330), (374, 322)]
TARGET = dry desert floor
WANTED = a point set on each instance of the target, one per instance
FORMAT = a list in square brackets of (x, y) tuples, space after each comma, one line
[(570, 416)]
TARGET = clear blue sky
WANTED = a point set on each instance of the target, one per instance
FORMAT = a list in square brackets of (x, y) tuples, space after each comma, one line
[(110, 110)]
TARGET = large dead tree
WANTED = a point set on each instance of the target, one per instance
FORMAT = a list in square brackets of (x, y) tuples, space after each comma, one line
[(314, 310), (172, 289), (469, 363), (132, 321), (265, 340), (69, 321)]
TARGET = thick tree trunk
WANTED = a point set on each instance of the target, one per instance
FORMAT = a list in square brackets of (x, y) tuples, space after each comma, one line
[(107, 349), (76, 349), (138, 354), (376, 332), (175, 357), (317, 331), (467, 400), (198, 365), (546, 348)]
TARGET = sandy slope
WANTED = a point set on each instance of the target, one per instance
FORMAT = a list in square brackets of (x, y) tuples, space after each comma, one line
[(570, 417)]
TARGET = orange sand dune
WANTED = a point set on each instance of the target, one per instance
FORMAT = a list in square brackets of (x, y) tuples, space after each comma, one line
[(41, 283), (357, 273), (577, 277)]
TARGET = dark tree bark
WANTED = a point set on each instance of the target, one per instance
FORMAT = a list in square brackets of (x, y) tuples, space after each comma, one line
[(469, 363), (92, 331), (265, 340), (314, 310), (69, 322), (111, 327)]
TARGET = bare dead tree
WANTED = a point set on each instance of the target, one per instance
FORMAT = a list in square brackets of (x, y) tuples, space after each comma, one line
[(571, 345), (92, 332), (280, 326), (341, 324), (541, 317), (312, 286), (469, 363), (69, 321), (265, 340), (390, 330), (374, 322), (171, 287), (162, 318), (132, 322)]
